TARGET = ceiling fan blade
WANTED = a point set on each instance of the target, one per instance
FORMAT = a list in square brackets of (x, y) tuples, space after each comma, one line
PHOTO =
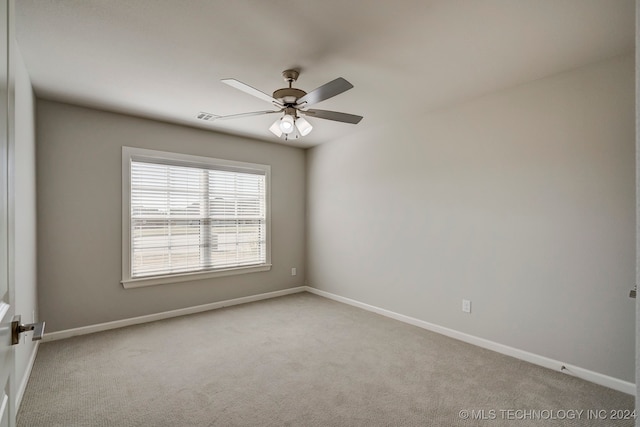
[(326, 91), (251, 91), (254, 113), (333, 115)]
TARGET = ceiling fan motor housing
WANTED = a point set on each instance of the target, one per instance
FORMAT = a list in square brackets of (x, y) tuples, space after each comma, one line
[(288, 95)]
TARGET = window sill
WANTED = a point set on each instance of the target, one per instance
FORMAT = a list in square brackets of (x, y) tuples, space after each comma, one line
[(188, 277)]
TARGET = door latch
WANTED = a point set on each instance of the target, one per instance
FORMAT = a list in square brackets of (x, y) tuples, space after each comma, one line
[(18, 328), (632, 292)]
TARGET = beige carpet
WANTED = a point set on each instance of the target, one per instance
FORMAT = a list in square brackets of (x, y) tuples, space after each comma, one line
[(299, 360)]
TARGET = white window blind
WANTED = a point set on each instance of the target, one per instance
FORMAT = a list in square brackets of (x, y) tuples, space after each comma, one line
[(186, 219)]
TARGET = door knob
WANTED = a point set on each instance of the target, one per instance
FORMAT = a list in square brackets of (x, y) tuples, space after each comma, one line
[(18, 328)]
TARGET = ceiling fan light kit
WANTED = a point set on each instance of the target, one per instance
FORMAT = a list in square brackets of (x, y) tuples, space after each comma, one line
[(304, 127), (294, 102), (286, 124)]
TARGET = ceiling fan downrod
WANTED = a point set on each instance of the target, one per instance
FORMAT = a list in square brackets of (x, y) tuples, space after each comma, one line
[(290, 76), (289, 95)]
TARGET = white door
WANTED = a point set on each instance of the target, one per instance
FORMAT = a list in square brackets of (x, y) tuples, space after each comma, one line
[(637, 211), (7, 396)]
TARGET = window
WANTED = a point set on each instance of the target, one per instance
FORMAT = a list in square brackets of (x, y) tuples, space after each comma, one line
[(189, 217)]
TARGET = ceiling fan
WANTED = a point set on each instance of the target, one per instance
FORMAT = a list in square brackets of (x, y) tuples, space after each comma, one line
[(295, 103)]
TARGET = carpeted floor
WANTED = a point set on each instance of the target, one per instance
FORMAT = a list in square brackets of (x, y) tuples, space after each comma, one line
[(299, 360)]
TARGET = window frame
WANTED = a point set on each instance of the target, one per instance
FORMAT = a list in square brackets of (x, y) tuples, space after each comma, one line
[(130, 154)]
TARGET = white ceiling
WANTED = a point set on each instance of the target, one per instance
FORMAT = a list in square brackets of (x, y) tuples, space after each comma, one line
[(164, 59)]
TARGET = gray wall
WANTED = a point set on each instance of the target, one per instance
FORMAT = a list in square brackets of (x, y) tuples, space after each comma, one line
[(79, 222), (521, 201), (25, 208)]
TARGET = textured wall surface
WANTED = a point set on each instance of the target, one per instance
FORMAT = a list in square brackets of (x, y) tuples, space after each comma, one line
[(521, 201)]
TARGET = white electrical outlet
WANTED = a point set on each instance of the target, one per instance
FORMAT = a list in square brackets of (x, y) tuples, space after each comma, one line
[(466, 306), (294, 271)]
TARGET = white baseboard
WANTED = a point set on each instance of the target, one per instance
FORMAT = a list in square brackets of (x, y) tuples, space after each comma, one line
[(595, 377), (585, 374), (67, 333), (22, 385)]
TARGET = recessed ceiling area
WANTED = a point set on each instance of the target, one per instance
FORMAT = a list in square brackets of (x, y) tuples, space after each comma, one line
[(164, 59)]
